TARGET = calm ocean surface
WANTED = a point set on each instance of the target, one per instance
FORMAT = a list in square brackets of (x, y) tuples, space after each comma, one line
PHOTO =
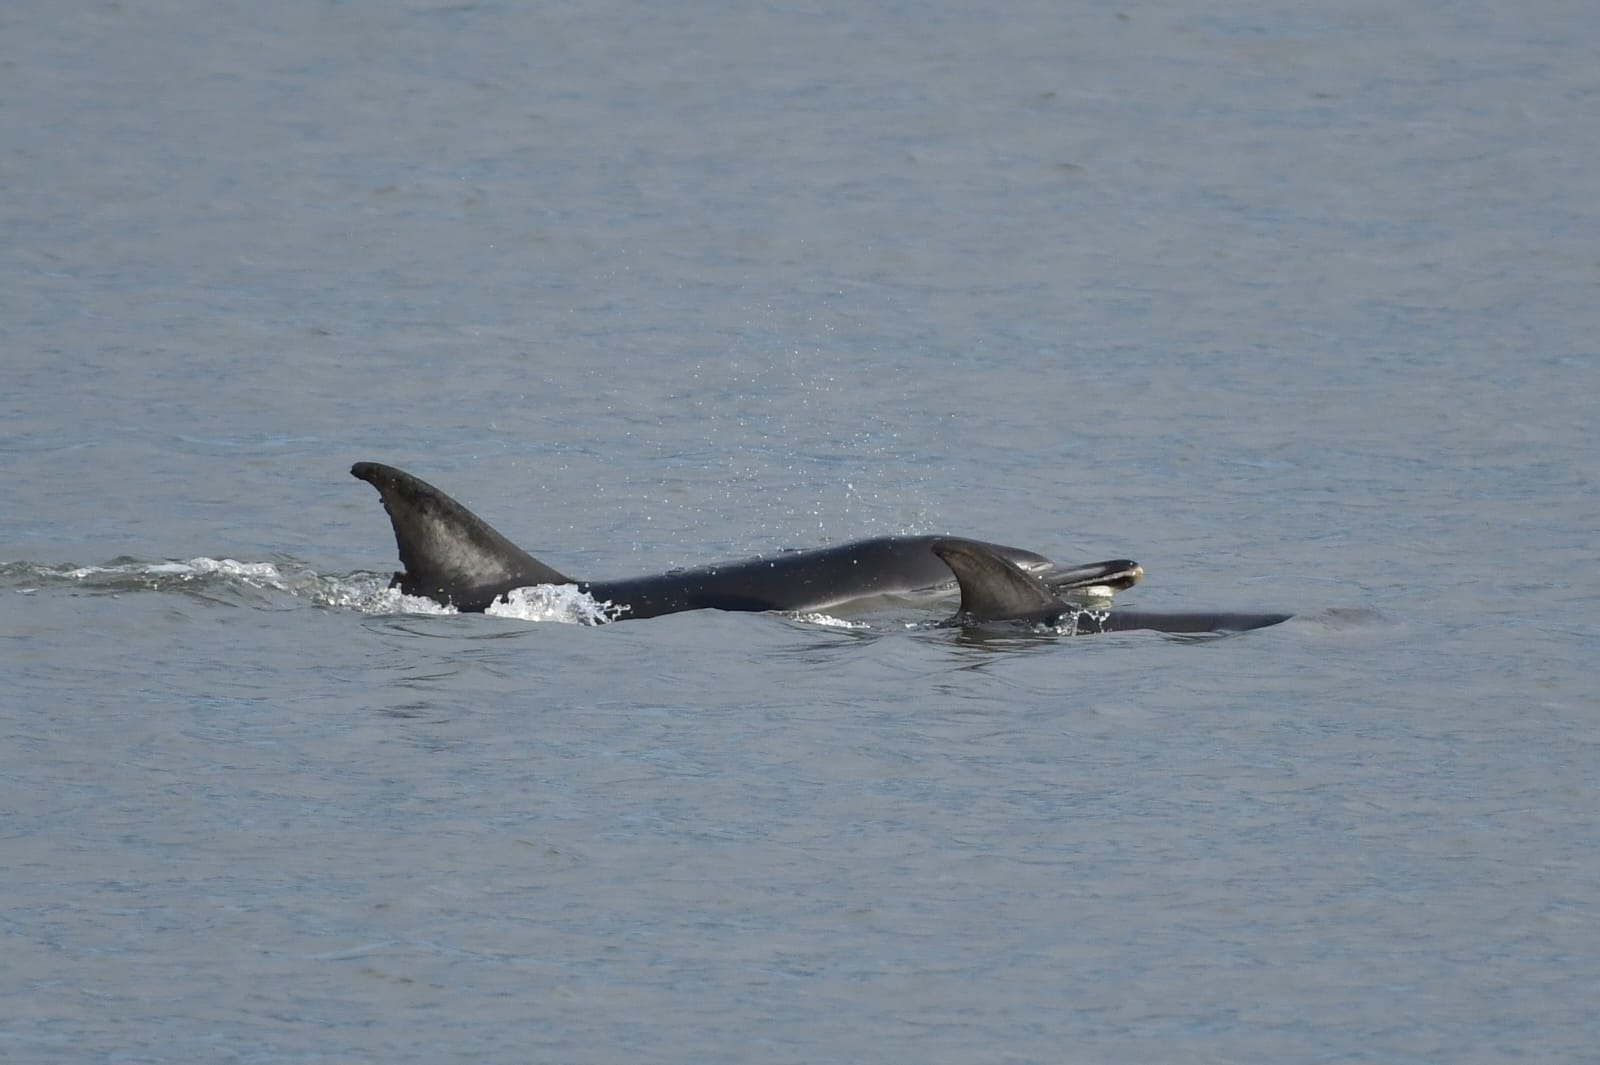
[(1296, 305)]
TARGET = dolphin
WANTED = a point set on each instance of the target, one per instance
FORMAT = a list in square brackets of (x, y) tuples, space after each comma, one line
[(455, 558), (996, 590)]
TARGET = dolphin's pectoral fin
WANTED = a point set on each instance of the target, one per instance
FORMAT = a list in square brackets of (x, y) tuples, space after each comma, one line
[(994, 588), (450, 554)]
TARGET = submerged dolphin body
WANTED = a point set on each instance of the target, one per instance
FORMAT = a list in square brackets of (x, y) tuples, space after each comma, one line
[(455, 558)]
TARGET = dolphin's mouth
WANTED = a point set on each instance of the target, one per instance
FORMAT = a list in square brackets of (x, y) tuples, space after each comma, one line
[(1117, 575)]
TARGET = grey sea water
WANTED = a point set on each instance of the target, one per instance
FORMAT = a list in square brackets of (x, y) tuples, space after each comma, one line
[(1295, 304)]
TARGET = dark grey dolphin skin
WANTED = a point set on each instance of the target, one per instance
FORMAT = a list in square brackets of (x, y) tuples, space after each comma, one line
[(993, 589), (455, 558)]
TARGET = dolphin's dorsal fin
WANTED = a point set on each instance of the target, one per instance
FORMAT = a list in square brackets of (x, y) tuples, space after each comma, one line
[(994, 588), (448, 551)]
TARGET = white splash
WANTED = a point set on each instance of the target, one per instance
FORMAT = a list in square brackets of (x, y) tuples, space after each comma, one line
[(1083, 620), (374, 596), (829, 621), (553, 602)]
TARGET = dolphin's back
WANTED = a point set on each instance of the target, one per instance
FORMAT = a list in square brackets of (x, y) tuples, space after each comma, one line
[(453, 556), (818, 579), (1181, 622)]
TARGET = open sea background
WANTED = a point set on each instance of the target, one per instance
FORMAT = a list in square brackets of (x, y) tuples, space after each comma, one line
[(1296, 304)]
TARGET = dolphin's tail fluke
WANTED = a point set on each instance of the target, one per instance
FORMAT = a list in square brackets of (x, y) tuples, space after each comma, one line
[(450, 554)]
